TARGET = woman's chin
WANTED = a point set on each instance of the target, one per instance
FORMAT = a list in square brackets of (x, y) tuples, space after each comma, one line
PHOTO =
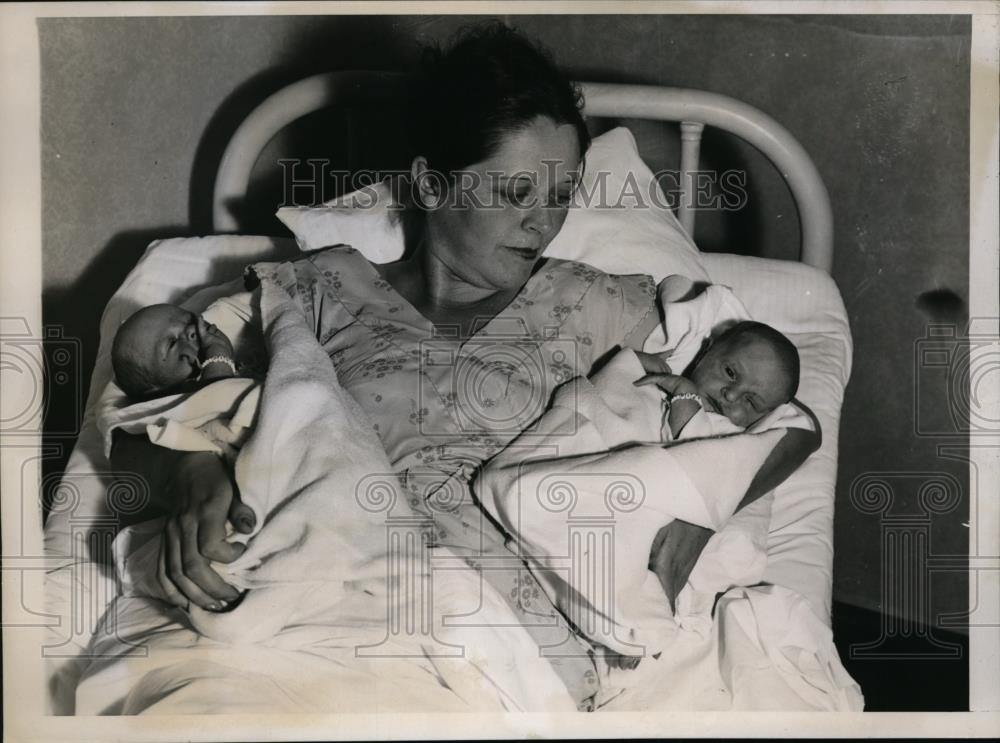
[(517, 274)]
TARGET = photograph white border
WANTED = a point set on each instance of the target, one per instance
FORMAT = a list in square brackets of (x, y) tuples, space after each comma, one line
[(20, 295)]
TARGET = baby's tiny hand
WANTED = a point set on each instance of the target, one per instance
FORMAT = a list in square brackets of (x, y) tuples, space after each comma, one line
[(671, 383), (653, 363), (213, 341)]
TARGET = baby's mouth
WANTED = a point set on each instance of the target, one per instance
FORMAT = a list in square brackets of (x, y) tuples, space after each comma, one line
[(712, 403)]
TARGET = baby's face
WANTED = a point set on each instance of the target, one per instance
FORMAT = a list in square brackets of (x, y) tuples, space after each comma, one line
[(742, 379), (165, 339)]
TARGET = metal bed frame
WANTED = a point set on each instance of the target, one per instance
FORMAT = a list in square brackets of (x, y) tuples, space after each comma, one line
[(693, 109)]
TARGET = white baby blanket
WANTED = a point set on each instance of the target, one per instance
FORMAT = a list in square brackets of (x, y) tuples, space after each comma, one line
[(216, 418), (585, 490), (175, 419)]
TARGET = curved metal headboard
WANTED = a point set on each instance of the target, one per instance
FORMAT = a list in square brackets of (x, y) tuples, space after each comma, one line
[(693, 108)]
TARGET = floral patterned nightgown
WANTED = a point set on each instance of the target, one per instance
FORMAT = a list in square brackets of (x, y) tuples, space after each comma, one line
[(443, 406)]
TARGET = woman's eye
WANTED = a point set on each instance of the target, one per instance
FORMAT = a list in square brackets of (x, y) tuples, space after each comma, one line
[(562, 198), (518, 196), (730, 373)]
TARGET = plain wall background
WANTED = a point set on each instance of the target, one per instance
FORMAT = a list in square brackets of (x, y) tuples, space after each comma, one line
[(136, 111)]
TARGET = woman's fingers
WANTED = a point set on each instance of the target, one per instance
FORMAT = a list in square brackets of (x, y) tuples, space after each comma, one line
[(224, 504), (178, 565), (205, 492), (241, 515), (211, 541), (198, 571), (174, 596)]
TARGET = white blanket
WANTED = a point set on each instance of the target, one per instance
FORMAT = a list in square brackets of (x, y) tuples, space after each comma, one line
[(585, 490), (327, 579), (197, 675), (584, 509), (217, 418), (767, 650)]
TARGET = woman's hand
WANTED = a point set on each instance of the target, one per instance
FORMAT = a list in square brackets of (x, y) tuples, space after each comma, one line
[(195, 534), (676, 549)]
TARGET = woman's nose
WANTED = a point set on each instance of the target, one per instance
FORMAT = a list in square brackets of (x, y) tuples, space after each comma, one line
[(539, 219), (729, 394)]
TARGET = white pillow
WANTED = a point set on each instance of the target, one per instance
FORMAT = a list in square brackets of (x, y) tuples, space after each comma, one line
[(630, 230), (364, 219), (633, 230)]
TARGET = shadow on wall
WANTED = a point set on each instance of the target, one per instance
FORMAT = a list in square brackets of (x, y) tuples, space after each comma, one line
[(322, 47)]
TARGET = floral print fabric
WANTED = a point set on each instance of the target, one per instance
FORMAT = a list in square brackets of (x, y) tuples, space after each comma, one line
[(443, 406)]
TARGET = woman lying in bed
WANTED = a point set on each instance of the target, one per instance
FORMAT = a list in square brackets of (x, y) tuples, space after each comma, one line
[(425, 345)]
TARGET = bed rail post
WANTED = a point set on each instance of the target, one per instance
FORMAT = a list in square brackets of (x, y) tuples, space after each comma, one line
[(748, 123), (690, 150)]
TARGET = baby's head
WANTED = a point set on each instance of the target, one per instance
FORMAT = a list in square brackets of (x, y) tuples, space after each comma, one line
[(156, 349), (747, 372)]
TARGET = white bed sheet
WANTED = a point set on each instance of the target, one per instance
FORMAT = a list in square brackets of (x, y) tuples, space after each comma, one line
[(799, 300)]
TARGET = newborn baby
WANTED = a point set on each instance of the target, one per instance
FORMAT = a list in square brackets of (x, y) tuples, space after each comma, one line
[(744, 374), (164, 359), (164, 348), (185, 392), (715, 385), (602, 424)]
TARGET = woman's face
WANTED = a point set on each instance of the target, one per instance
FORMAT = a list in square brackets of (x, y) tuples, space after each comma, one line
[(492, 223)]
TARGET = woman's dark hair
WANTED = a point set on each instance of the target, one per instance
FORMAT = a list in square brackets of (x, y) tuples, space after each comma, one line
[(490, 82)]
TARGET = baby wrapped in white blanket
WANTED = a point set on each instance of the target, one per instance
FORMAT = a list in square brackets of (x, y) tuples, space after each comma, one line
[(175, 383), (175, 376), (585, 491)]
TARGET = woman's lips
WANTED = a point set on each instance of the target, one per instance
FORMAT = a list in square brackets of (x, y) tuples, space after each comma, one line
[(712, 403), (528, 254)]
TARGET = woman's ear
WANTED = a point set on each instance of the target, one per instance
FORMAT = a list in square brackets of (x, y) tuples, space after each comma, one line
[(427, 185)]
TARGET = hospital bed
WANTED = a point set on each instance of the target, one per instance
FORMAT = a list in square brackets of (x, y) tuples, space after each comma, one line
[(799, 298)]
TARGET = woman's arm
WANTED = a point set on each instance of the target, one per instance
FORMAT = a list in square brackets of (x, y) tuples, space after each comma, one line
[(196, 492), (152, 464), (678, 545)]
